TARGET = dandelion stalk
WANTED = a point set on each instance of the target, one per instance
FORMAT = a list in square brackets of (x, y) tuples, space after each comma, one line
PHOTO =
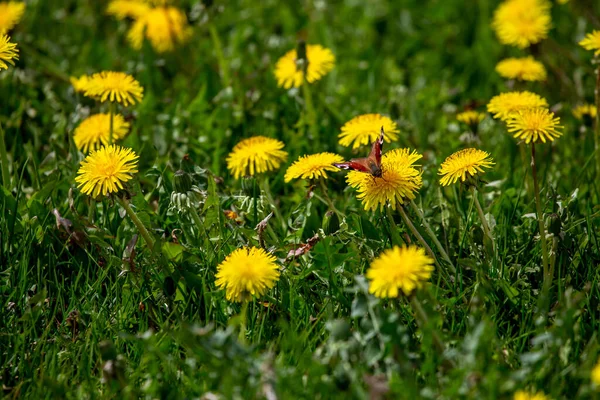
[(484, 223), (218, 47), (597, 133), (309, 109), (4, 160), (540, 217), (255, 200), (433, 236), (271, 201), (243, 321), (415, 232), (137, 222), (395, 236), (425, 324), (198, 221), (327, 198)]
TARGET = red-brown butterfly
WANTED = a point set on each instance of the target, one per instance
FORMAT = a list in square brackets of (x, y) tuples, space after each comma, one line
[(370, 164)]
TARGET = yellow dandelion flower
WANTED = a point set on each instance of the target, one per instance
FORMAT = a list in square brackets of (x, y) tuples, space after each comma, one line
[(524, 69), (584, 111), (592, 42), (313, 166), (522, 23), (230, 214), (398, 183), (470, 117), (504, 105), (535, 125), (320, 61), (255, 155), (8, 52), (80, 84), (463, 165), (522, 395), (94, 131), (115, 87), (595, 376), (10, 14), (365, 129), (105, 170), (399, 269), (122, 9), (164, 27), (247, 272)]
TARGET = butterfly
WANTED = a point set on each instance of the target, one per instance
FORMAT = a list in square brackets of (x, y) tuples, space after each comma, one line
[(370, 164)]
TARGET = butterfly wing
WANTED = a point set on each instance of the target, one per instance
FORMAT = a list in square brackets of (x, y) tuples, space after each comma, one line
[(376, 150), (356, 164)]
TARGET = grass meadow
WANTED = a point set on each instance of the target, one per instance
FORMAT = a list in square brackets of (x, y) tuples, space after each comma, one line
[(195, 261)]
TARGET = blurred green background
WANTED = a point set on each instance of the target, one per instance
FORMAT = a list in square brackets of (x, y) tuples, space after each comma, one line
[(80, 322)]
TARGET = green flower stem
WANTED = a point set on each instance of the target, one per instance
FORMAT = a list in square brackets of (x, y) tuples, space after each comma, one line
[(137, 222), (310, 115), (4, 161), (218, 47), (540, 218), (199, 225), (425, 324), (597, 133), (433, 237), (415, 232), (269, 197), (195, 217), (327, 198), (91, 209), (393, 228), (112, 116), (255, 199), (243, 317), (484, 224)]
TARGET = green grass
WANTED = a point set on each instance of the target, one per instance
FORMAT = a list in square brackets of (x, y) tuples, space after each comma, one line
[(84, 316)]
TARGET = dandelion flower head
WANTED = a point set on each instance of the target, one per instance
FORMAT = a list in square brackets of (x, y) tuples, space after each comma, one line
[(592, 42), (313, 166), (523, 69), (164, 27), (247, 272), (8, 52), (596, 374), (255, 155), (94, 131), (10, 14), (105, 170), (114, 87), (399, 269), (122, 9), (522, 23), (584, 111), (320, 61), (504, 105), (399, 182), (535, 125), (470, 117), (463, 165), (79, 84), (522, 395), (366, 128)]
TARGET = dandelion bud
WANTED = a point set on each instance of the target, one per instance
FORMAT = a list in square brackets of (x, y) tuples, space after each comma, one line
[(182, 181), (331, 223)]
